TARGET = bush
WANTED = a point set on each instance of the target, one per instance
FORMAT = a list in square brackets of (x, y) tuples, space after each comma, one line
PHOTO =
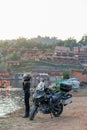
[(66, 75)]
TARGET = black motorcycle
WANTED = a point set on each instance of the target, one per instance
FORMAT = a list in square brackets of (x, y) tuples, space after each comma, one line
[(51, 102)]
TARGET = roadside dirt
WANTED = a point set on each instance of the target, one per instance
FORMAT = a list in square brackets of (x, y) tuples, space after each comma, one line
[(74, 117)]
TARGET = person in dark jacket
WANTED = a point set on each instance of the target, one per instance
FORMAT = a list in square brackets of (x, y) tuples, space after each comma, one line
[(26, 88)]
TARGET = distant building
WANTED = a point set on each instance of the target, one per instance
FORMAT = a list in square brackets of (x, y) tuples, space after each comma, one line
[(62, 49), (14, 63), (79, 74), (63, 55), (81, 53), (4, 74)]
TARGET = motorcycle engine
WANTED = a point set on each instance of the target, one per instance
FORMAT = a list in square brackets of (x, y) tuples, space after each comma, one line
[(45, 109)]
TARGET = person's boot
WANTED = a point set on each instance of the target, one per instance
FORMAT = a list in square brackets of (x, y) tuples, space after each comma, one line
[(26, 115)]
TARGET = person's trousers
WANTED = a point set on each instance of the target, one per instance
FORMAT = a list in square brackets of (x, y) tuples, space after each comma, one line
[(27, 104)]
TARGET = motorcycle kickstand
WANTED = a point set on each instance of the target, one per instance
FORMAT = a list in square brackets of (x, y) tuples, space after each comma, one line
[(51, 115)]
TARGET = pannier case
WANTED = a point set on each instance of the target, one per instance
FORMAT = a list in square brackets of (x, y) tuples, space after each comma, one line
[(67, 99), (65, 87)]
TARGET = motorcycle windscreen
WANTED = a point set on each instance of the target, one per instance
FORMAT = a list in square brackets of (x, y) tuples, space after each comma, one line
[(38, 94)]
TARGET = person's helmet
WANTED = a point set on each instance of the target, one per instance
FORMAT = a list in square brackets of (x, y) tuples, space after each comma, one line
[(26, 77)]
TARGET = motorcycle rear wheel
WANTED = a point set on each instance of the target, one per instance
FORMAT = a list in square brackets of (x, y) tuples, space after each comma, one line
[(58, 109), (33, 112)]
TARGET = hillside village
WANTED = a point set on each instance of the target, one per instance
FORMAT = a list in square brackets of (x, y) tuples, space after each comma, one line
[(60, 54), (20, 60)]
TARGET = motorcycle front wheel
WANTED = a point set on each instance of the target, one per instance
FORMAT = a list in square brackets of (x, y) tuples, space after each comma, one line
[(58, 109), (33, 112)]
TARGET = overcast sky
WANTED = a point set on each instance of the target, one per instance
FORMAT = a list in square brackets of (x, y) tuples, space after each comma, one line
[(30, 18)]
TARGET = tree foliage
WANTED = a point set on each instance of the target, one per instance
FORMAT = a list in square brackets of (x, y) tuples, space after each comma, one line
[(71, 42), (66, 74), (83, 40)]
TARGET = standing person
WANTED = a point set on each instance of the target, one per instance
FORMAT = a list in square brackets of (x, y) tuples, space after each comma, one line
[(26, 88)]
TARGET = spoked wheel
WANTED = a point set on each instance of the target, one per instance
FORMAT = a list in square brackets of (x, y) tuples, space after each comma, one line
[(58, 109)]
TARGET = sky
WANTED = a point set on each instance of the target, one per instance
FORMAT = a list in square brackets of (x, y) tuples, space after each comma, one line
[(54, 18)]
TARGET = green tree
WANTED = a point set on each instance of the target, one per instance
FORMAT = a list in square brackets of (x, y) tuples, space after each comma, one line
[(83, 40), (66, 74), (13, 56), (71, 42)]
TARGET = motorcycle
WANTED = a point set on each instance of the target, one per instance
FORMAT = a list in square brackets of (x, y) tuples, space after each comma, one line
[(50, 101)]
